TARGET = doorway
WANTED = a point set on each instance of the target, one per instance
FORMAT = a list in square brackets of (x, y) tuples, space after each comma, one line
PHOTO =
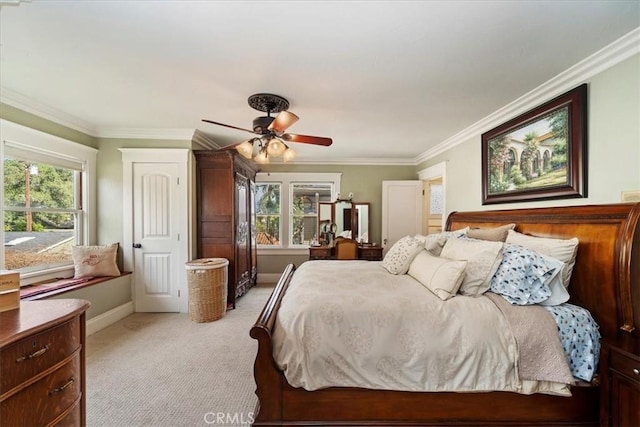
[(434, 186), (155, 227)]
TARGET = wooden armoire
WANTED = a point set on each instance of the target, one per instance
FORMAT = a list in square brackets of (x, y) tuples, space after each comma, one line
[(226, 225)]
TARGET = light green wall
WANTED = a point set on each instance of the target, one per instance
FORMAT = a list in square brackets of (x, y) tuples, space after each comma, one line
[(613, 147), (23, 118), (364, 181), (613, 159), (110, 219)]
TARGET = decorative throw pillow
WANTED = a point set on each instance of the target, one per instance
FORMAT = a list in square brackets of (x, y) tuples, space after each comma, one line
[(523, 275), (483, 258), (435, 242), (93, 261), (440, 275), (400, 255), (497, 234), (564, 250)]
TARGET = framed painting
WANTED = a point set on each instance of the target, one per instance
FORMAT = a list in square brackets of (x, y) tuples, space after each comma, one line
[(539, 155)]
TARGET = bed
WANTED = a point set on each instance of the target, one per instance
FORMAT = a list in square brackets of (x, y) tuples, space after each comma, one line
[(604, 281)]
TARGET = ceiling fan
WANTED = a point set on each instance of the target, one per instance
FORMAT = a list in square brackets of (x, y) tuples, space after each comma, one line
[(271, 137)]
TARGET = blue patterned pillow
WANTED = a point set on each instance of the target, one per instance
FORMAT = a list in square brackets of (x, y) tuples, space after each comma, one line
[(522, 276)]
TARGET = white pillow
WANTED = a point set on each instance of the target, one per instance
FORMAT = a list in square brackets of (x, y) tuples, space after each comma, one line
[(435, 242), (483, 258), (400, 255), (440, 275), (95, 261), (564, 250), (559, 294)]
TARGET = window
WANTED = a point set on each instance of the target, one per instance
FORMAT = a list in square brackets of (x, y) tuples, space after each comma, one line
[(268, 214), (45, 201), (287, 207)]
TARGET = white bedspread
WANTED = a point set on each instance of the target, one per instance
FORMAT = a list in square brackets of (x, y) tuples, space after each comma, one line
[(353, 324)]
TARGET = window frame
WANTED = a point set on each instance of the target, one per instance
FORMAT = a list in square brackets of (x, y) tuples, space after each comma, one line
[(286, 180), (47, 148)]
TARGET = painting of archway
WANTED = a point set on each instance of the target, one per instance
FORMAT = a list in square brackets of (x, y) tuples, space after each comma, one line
[(539, 155)]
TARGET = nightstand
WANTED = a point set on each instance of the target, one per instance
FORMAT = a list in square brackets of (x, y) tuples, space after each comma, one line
[(370, 253), (621, 387), (320, 252)]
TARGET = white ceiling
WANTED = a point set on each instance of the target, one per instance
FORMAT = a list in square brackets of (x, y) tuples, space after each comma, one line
[(385, 79)]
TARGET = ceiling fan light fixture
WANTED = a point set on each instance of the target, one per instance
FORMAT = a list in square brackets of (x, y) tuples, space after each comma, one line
[(245, 149), (262, 157), (288, 155), (282, 122), (275, 147)]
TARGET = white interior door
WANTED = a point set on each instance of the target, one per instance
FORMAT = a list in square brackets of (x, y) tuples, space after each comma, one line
[(401, 210), (155, 227)]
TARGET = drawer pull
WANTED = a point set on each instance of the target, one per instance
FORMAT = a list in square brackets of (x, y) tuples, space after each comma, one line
[(33, 355), (636, 371), (62, 387)]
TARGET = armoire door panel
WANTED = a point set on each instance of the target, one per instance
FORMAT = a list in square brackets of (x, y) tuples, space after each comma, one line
[(217, 230)]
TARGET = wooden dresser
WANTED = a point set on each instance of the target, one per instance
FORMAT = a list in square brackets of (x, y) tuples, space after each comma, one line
[(42, 364)]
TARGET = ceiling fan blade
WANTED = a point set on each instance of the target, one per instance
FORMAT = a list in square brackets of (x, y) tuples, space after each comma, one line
[(283, 121), (307, 139), (229, 126)]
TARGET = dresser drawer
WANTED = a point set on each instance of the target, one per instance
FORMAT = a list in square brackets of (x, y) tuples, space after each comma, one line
[(626, 365), (46, 399), (72, 418), (30, 356)]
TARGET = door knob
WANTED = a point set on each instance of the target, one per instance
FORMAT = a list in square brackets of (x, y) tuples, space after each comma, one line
[(137, 245)]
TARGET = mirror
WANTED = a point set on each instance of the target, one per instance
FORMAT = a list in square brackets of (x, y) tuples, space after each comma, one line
[(343, 218), (362, 229), (325, 220)]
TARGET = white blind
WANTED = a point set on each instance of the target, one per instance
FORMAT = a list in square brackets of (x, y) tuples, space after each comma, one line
[(32, 154)]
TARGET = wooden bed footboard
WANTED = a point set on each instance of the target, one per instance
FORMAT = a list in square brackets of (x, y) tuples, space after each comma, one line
[(606, 281)]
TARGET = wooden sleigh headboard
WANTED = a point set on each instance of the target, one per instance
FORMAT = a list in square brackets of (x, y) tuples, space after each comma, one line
[(606, 277)]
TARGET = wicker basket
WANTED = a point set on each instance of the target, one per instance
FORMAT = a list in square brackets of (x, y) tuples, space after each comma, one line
[(207, 283)]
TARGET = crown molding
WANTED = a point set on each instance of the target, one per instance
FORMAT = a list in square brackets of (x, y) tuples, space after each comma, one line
[(29, 105), (204, 140), (616, 52), (354, 161), (144, 133)]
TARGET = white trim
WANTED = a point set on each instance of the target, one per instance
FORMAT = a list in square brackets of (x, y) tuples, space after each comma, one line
[(353, 161), (108, 318), (286, 179), (145, 133), (616, 52), (27, 138), (179, 156), (204, 140), (439, 170), (24, 103)]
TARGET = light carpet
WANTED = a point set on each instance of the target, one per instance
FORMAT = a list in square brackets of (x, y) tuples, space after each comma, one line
[(161, 369)]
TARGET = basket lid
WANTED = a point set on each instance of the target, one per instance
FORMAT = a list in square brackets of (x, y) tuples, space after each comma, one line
[(206, 263)]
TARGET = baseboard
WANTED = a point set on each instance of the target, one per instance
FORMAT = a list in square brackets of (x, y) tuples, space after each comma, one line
[(108, 318), (268, 278)]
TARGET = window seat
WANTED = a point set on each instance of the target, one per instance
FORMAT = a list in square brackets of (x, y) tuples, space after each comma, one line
[(59, 286)]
